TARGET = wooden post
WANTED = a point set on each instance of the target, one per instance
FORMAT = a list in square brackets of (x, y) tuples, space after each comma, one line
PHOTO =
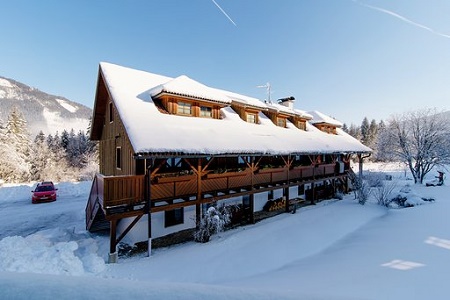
[(198, 208), (148, 211), (252, 195), (286, 197), (360, 163), (286, 189), (252, 208), (113, 255)]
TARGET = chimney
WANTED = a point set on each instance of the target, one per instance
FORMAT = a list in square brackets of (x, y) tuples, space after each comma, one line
[(288, 102)]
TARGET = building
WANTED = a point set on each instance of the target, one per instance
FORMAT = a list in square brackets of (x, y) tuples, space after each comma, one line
[(169, 147)]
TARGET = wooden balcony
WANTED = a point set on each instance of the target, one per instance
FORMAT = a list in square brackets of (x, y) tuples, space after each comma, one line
[(127, 193)]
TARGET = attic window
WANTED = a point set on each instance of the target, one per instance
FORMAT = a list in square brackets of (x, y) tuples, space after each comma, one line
[(184, 108), (281, 122), (301, 125), (205, 111), (251, 118), (111, 112)]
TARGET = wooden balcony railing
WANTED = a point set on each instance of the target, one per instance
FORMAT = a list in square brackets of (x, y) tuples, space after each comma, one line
[(113, 191)]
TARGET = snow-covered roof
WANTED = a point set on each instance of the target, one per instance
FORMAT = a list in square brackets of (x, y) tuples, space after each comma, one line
[(318, 117), (185, 86), (303, 114), (245, 100), (151, 131)]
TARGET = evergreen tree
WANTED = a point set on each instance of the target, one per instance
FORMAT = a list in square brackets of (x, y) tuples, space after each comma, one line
[(41, 159), (64, 142), (354, 131), (373, 131), (345, 128), (19, 146), (365, 131)]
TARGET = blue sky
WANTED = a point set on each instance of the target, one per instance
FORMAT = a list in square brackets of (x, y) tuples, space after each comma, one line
[(348, 59)]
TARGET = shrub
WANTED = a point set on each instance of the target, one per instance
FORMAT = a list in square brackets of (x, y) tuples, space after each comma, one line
[(383, 192), (214, 221)]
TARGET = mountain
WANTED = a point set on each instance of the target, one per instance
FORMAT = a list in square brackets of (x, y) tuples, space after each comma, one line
[(42, 111)]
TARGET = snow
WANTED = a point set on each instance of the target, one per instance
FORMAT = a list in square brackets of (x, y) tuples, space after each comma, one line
[(319, 117), (5, 83), (55, 123), (336, 249), (186, 86), (66, 105), (132, 90)]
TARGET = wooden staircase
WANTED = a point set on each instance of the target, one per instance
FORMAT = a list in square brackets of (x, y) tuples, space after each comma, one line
[(95, 216)]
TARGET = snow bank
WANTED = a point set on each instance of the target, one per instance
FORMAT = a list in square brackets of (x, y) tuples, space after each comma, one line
[(38, 253), (333, 250)]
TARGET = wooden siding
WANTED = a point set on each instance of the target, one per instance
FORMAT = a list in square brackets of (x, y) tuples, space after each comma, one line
[(300, 123), (328, 128), (113, 136), (243, 111), (170, 103)]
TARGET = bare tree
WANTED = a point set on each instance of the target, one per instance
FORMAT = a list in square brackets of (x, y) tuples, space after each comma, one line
[(420, 139), (383, 192)]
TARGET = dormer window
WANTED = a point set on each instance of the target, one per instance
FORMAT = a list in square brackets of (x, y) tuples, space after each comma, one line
[(281, 122), (301, 125), (184, 108), (205, 111), (251, 118), (327, 128)]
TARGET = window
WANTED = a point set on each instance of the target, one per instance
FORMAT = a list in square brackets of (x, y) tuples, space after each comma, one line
[(251, 118), (184, 108), (301, 189), (118, 158), (301, 125), (174, 217), (205, 111), (281, 122), (111, 112)]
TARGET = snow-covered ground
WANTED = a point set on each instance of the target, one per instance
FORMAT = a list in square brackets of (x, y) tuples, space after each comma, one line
[(333, 250)]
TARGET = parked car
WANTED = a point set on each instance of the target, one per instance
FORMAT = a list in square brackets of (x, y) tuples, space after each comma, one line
[(44, 192)]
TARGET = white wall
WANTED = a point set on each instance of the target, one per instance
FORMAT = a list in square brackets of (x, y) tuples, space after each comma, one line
[(277, 193), (139, 231), (293, 192), (259, 200)]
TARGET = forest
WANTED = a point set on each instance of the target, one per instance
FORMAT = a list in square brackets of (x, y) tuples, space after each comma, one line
[(65, 156)]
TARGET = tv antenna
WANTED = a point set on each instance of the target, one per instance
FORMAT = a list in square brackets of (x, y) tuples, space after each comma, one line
[(267, 87)]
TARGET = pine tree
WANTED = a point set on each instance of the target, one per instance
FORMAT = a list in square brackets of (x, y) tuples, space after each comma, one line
[(345, 128), (19, 147), (354, 131), (365, 131), (64, 141), (41, 159)]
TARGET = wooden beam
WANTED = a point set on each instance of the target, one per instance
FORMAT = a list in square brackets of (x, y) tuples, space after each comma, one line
[(129, 227), (112, 242), (163, 162), (207, 165)]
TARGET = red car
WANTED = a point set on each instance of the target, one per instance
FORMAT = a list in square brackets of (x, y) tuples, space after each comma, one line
[(45, 192)]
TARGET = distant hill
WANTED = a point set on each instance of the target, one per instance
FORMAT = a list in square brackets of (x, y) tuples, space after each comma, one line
[(42, 111), (446, 115)]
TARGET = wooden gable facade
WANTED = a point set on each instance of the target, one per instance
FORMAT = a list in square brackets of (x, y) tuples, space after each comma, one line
[(161, 185), (115, 150)]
